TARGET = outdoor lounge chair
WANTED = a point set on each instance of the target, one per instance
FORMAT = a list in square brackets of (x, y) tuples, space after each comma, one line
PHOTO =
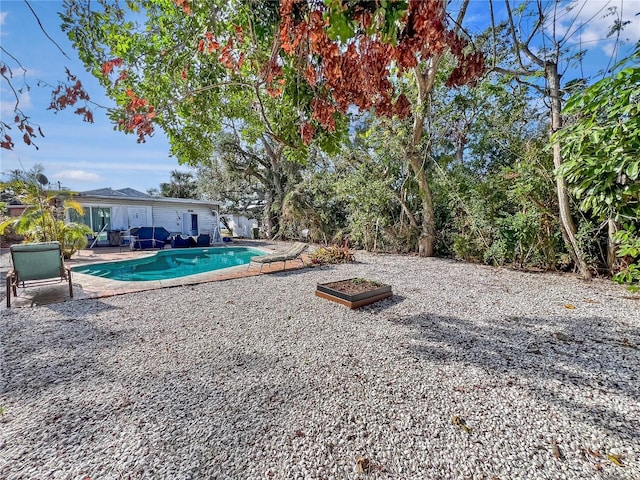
[(36, 263), (294, 252)]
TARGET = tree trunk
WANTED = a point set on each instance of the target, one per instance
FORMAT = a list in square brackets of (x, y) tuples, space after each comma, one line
[(566, 222), (267, 219), (427, 241), (406, 212), (425, 79), (611, 245), (274, 184), (424, 82)]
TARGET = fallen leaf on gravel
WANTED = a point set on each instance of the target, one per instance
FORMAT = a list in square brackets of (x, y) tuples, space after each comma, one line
[(363, 464), (569, 306), (595, 454), (615, 459), (461, 423), (557, 454), (588, 300)]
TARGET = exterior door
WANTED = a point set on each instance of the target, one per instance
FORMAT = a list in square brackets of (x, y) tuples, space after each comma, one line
[(190, 223), (194, 224), (137, 217)]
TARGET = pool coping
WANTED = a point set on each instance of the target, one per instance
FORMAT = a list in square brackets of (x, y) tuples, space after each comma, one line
[(89, 286)]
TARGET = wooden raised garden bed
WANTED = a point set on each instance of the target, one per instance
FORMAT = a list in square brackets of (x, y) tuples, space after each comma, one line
[(354, 292)]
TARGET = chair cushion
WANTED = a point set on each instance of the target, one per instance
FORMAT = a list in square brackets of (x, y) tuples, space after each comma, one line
[(203, 240), (37, 261), (276, 257)]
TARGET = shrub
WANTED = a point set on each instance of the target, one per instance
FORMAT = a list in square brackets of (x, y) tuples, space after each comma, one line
[(42, 220), (629, 250), (331, 255)]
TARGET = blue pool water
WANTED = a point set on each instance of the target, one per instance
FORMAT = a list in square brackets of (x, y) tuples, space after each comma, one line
[(172, 263)]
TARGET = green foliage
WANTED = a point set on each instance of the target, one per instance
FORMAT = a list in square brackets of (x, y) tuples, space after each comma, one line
[(314, 204), (378, 189), (72, 237), (367, 195), (494, 191), (332, 255), (386, 18), (628, 241), (601, 146), (507, 216), (181, 185), (197, 91), (43, 218)]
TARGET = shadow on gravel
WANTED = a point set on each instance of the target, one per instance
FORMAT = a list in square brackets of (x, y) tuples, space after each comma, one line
[(606, 362), (42, 353), (171, 416), (382, 305)]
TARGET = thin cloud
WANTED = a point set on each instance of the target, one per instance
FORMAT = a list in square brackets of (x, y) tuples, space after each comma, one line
[(77, 176), (3, 21), (7, 106), (589, 22)]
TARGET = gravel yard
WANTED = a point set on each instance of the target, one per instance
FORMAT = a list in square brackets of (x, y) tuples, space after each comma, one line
[(467, 372)]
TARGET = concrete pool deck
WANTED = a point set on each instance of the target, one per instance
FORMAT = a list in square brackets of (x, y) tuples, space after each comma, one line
[(90, 286)]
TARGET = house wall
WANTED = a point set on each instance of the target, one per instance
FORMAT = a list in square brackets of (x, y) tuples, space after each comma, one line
[(241, 225), (172, 217), (119, 213), (154, 213)]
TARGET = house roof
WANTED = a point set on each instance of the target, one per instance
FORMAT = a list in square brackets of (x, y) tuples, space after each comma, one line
[(129, 194), (110, 192)]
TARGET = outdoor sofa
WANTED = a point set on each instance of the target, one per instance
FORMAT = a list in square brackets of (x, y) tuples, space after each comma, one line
[(148, 237)]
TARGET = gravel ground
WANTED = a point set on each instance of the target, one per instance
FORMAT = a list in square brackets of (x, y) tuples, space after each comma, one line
[(258, 378)]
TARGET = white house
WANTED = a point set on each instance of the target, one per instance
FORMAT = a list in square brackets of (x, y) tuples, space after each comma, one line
[(240, 225), (108, 210)]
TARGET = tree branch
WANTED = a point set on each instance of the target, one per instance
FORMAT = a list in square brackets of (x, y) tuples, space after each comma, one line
[(44, 31), (519, 46)]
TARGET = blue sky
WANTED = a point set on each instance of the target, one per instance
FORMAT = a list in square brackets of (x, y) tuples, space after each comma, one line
[(85, 156)]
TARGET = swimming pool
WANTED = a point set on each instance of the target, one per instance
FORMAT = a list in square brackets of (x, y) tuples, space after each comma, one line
[(168, 264)]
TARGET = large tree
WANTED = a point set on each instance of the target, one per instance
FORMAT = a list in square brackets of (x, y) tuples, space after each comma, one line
[(542, 49), (289, 74), (204, 74), (364, 54), (262, 169), (181, 185)]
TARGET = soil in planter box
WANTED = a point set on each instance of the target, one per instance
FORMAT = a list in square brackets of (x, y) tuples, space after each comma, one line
[(354, 286)]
